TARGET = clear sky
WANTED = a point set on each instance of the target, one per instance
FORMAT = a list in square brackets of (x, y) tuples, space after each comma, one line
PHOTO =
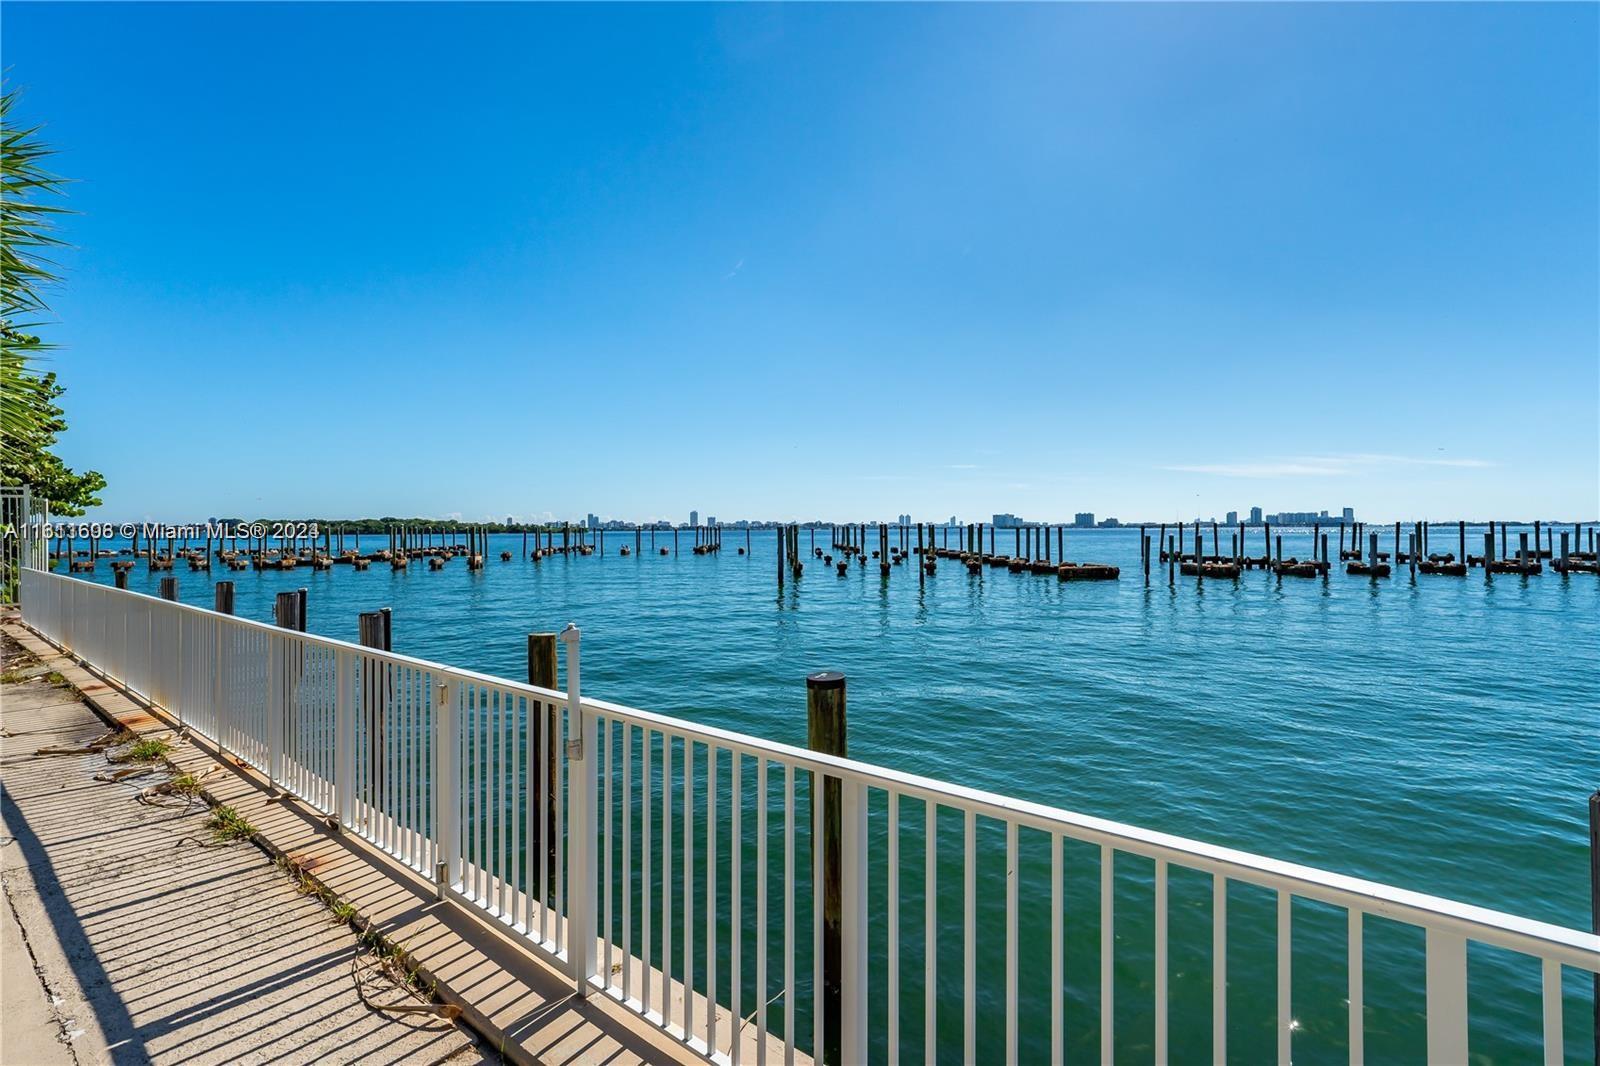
[(835, 261)]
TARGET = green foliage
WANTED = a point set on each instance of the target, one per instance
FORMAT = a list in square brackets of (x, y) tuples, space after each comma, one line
[(25, 458), (226, 823), (144, 751), (30, 419)]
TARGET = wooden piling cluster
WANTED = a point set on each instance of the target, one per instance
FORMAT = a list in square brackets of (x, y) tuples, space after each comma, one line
[(1190, 549), (788, 553), (707, 540), (1373, 565), (1030, 552)]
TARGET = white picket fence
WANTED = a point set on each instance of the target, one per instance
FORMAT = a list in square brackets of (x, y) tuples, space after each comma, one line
[(553, 815)]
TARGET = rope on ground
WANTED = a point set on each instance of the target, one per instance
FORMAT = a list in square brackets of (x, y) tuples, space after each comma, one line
[(382, 970), (751, 1017)]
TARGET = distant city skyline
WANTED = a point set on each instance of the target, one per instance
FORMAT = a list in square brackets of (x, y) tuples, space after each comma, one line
[(789, 261), (1081, 520)]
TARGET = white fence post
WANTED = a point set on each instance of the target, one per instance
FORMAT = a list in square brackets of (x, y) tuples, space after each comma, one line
[(273, 723), (69, 611), (581, 877), (344, 737), (180, 623), (219, 712), (446, 802), (1446, 975), (854, 1026)]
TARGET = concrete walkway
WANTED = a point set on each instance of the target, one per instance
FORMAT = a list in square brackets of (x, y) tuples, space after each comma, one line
[(130, 936)]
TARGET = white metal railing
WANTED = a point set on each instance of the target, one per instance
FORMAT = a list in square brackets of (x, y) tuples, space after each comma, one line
[(430, 763), (678, 858), (24, 522)]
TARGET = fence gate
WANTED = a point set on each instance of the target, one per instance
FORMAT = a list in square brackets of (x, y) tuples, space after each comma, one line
[(22, 541)]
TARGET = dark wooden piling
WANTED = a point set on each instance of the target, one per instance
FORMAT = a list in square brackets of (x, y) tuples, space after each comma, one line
[(289, 610), (543, 722), (169, 588), (223, 597), (826, 731), (374, 630)]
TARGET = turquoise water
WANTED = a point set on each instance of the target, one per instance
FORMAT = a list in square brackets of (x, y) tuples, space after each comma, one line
[(1435, 733)]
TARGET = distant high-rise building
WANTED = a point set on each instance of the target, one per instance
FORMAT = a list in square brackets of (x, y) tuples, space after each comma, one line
[(1233, 518), (1007, 521), (1109, 523), (694, 518), (953, 521), (1349, 514), (1255, 516), (905, 520), (1083, 519), (711, 519), (509, 522), (592, 521)]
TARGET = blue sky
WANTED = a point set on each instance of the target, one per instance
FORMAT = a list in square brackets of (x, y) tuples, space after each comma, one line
[(774, 261)]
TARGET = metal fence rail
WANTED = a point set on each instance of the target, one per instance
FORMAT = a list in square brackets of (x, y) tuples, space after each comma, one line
[(672, 867)]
